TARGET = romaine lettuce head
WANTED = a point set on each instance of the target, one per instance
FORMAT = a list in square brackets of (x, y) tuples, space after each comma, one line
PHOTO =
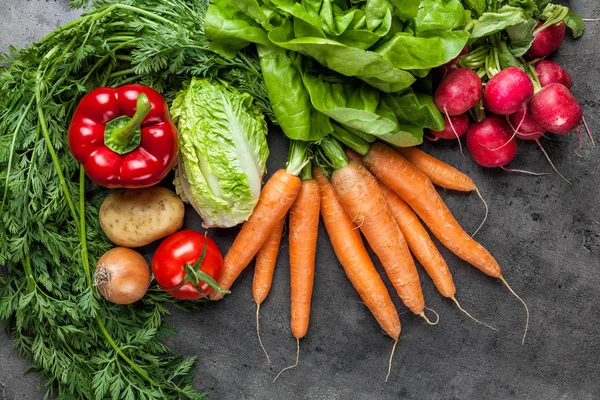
[(222, 152)]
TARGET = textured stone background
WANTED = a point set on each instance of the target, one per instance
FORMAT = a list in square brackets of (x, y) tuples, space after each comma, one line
[(545, 234)]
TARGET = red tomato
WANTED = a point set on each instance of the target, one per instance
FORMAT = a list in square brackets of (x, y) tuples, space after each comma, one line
[(185, 247)]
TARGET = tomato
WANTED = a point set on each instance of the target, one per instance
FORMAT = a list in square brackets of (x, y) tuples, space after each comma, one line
[(181, 248)]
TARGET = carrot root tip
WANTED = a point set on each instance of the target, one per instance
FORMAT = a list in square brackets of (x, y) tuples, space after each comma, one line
[(293, 365), (390, 362), (422, 314), (524, 305), (258, 334), (472, 317)]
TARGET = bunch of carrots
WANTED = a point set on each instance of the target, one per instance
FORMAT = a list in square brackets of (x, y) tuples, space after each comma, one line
[(369, 188)]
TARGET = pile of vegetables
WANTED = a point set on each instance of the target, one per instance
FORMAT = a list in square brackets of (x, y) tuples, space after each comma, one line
[(89, 108), (504, 83)]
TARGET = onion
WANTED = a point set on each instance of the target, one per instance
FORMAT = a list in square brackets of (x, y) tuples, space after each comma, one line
[(122, 275)]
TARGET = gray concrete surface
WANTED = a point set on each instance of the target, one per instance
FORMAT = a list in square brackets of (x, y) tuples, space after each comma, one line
[(545, 234)]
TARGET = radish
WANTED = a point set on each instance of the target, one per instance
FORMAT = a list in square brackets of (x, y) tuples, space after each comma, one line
[(525, 126), (458, 92), (490, 142), (527, 129), (550, 72), (508, 91), (455, 128), (555, 109), (546, 41), (440, 72)]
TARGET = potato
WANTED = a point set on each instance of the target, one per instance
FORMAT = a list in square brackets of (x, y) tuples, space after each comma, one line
[(137, 217)]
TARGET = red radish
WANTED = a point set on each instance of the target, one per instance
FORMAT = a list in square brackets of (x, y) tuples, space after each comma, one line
[(546, 41), (550, 72), (455, 127), (440, 72), (525, 126), (508, 91), (490, 142), (530, 130), (458, 92), (555, 109)]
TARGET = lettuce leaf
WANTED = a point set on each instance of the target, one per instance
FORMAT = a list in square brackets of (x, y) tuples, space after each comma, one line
[(223, 152)]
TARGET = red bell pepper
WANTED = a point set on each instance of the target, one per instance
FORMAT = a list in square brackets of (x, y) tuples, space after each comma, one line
[(124, 137)]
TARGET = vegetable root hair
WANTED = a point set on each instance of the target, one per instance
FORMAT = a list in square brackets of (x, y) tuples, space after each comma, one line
[(587, 129), (522, 171), (422, 314), (470, 316), (578, 148), (487, 210), (524, 305), (455, 133), (389, 371), (515, 131), (293, 365), (550, 161), (258, 334)]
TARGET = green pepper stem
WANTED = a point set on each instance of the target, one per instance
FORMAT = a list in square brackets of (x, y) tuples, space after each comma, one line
[(142, 108)]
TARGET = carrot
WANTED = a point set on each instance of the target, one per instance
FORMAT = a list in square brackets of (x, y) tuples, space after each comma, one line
[(437, 171), (352, 254), (276, 197), (442, 174), (264, 267), (420, 243), (423, 248), (362, 199), (417, 190), (304, 228)]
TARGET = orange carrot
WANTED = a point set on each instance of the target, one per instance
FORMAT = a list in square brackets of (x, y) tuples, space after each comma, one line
[(442, 174), (437, 171), (420, 243), (264, 267), (417, 190), (304, 227), (423, 248), (275, 199), (352, 254), (362, 199)]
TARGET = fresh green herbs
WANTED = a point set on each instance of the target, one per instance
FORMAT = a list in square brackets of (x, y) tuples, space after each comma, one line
[(50, 237)]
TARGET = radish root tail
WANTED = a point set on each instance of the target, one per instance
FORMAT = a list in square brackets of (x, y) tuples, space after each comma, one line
[(550, 161), (587, 129), (487, 210), (522, 171), (524, 305), (470, 316), (389, 371), (455, 133), (422, 314), (294, 365), (515, 131), (258, 334)]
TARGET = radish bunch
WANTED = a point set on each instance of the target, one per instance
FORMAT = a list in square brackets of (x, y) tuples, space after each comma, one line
[(494, 97)]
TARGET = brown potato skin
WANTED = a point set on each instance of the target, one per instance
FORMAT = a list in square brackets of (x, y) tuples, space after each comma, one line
[(137, 217)]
